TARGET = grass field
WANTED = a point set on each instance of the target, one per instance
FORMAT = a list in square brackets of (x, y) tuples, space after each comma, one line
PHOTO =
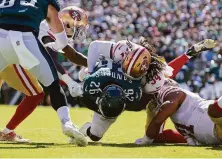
[(44, 129)]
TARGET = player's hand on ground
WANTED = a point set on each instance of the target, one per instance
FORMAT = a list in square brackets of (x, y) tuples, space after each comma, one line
[(75, 89), (192, 141), (197, 48), (143, 141), (84, 128)]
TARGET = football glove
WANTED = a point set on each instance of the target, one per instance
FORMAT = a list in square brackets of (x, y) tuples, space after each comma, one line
[(197, 48), (144, 141), (75, 89)]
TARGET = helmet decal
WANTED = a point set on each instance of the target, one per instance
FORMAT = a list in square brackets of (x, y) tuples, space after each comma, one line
[(75, 15)]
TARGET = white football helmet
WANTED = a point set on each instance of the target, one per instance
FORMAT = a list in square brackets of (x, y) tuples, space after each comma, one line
[(121, 49)]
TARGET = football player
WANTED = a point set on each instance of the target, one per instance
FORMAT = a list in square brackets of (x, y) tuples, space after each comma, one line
[(75, 23), (100, 123), (108, 93), (21, 80), (19, 27), (29, 85), (197, 119)]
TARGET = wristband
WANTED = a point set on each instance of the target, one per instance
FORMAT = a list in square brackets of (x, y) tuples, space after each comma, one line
[(61, 40), (147, 140)]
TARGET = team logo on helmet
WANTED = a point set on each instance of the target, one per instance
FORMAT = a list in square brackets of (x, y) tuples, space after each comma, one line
[(75, 15), (144, 65)]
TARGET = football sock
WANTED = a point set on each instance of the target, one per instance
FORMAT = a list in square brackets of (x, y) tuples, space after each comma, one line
[(178, 63), (24, 109), (7, 131), (64, 115)]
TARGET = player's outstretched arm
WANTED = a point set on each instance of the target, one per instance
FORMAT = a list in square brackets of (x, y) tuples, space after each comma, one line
[(171, 104), (193, 51), (75, 56)]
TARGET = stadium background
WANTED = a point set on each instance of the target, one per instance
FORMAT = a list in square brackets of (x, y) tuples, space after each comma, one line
[(171, 25)]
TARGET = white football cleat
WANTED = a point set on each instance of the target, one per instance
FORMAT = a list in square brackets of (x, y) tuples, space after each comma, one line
[(71, 131), (13, 137), (197, 48)]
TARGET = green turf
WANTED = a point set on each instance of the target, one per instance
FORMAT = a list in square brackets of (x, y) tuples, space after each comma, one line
[(44, 129)]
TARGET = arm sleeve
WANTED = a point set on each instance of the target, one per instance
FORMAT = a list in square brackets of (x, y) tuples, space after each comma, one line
[(97, 48), (178, 63), (55, 3)]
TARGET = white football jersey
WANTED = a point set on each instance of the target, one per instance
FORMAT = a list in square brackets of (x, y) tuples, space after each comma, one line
[(191, 119)]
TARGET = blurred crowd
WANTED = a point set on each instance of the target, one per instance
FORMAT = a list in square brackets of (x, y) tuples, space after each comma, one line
[(172, 26)]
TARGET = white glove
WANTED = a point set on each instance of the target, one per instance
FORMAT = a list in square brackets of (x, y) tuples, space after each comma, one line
[(83, 73), (75, 89), (143, 141), (191, 141), (84, 128)]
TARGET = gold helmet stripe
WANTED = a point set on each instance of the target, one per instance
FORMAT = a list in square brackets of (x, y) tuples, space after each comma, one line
[(131, 59), (135, 57)]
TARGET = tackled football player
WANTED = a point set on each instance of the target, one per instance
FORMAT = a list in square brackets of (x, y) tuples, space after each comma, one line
[(100, 124), (108, 92)]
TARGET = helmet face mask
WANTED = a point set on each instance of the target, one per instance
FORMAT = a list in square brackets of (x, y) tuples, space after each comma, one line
[(112, 102), (79, 34)]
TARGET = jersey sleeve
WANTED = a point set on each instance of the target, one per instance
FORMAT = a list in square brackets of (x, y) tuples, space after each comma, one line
[(55, 3), (97, 48), (43, 31)]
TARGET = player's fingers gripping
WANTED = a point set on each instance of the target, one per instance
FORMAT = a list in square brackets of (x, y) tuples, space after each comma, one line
[(138, 141), (75, 89), (83, 73)]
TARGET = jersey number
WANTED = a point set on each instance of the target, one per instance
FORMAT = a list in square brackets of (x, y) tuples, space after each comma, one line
[(185, 130), (10, 3), (156, 78)]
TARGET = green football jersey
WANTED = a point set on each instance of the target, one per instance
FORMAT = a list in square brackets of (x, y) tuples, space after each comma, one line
[(95, 83), (25, 12)]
